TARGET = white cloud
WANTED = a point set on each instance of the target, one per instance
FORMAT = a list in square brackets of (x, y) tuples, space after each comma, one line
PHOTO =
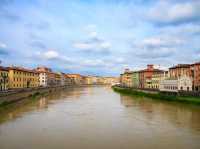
[(3, 45), (83, 46), (166, 41), (105, 45), (94, 43), (93, 34), (93, 63), (165, 12), (181, 30), (93, 46), (54, 55), (51, 54)]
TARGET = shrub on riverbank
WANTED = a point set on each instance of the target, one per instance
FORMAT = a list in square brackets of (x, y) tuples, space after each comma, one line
[(159, 96)]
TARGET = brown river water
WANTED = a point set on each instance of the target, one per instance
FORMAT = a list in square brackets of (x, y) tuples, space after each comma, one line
[(98, 118)]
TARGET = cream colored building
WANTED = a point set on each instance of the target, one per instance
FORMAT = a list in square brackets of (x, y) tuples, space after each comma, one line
[(183, 83), (168, 85), (43, 75), (157, 78)]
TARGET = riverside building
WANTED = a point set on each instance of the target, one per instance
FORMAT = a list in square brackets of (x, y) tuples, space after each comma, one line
[(43, 75), (126, 79), (3, 78), (22, 78), (145, 76)]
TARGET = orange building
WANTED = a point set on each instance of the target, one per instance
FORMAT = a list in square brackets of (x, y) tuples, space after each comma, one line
[(195, 72), (68, 80), (145, 76), (77, 78), (180, 70)]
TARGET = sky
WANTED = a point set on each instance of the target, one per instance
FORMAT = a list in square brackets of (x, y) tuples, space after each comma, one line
[(99, 37)]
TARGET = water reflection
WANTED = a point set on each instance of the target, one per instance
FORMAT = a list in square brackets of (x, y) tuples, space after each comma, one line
[(176, 113)]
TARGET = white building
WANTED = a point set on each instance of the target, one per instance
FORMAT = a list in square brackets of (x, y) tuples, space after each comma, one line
[(43, 75), (62, 79), (169, 85), (183, 83), (43, 79)]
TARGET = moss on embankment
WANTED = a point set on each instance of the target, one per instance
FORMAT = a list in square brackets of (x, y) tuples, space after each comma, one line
[(158, 96)]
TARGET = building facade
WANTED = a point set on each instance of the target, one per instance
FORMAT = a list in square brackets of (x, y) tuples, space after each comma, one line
[(51, 81), (156, 79), (43, 75), (145, 76), (126, 79), (195, 68), (77, 78), (183, 83), (62, 79), (3, 78), (135, 78), (111, 80), (58, 79), (169, 85), (22, 78), (68, 81), (180, 70), (88, 80)]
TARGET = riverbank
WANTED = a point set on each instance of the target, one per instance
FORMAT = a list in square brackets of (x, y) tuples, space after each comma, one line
[(157, 95), (13, 96)]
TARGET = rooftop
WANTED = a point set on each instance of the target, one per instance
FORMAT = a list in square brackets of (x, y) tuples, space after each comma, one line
[(22, 69), (181, 66), (3, 68)]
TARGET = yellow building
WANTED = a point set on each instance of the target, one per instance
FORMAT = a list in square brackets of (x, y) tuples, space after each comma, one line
[(126, 79), (77, 78), (156, 79), (88, 80), (3, 78), (58, 78), (22, 78)]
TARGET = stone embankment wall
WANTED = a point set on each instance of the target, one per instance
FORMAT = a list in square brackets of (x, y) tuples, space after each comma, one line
[(190, 93), (16, 95)]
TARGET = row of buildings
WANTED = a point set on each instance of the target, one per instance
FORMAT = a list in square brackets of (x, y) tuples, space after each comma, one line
[(182, 77), (19, 77)]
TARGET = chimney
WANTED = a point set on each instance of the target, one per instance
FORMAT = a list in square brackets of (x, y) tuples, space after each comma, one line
[(127, 70), (150, 67)]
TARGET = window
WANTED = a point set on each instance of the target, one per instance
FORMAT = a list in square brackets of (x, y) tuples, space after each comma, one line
[(181, 88)]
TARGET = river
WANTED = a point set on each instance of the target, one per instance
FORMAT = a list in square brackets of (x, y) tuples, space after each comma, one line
[(98, 118)]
